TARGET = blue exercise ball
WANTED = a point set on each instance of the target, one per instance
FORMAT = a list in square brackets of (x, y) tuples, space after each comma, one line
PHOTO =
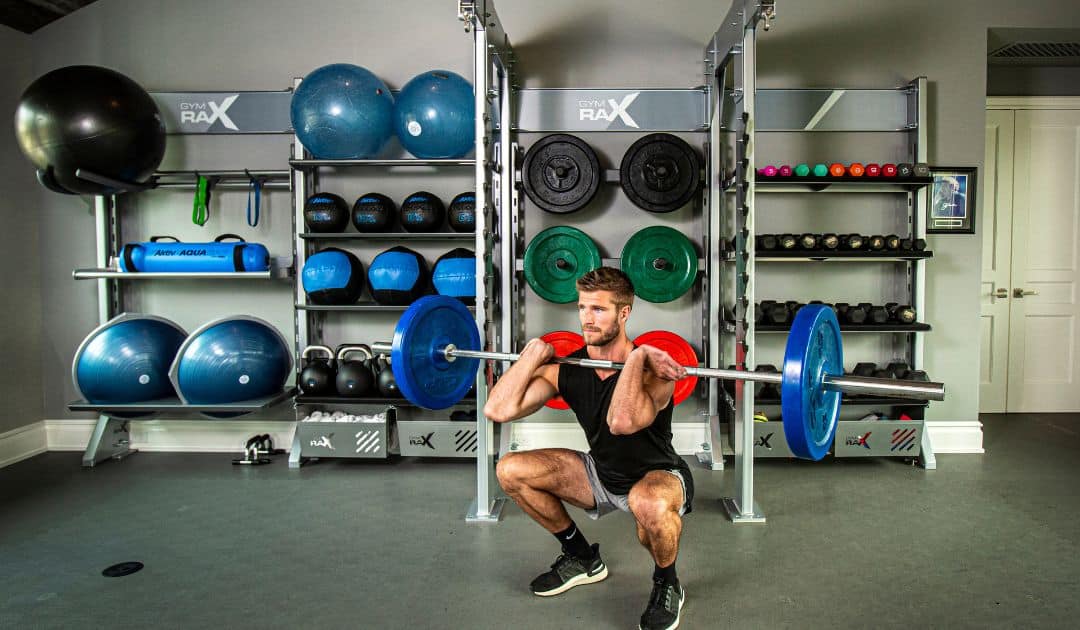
[(231, 360), (127, 360), (434, 115), (342, 111)]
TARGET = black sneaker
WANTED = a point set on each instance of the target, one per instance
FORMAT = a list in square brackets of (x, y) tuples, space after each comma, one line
[(665, 602), (570, 571)]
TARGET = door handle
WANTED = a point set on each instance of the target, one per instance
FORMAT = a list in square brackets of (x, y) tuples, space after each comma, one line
[(1019, 292), (1000, 294)]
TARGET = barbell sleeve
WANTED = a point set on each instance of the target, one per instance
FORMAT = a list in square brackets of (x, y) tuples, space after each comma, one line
[(857, 385)]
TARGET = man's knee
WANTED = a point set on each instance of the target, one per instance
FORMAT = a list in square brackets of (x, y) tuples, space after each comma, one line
[(651, 509), (512, 471)]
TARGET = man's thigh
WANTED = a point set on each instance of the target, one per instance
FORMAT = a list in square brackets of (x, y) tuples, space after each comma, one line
[(558, 471)]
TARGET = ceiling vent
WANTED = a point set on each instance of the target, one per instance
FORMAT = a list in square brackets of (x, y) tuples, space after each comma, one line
[(1037, 53)]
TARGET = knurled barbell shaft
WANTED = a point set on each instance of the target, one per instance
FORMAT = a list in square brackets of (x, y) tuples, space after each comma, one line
[(919, 390)]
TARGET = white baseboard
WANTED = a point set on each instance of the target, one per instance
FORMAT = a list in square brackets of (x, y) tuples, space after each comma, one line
[(19, 444), (177, 436), (954, 436)]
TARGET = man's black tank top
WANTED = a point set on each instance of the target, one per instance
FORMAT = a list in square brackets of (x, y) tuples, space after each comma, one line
[(621, 460)]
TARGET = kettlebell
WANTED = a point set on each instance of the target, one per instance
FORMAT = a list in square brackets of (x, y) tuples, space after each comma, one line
[(317, 377), (354, 378), (386, 382)]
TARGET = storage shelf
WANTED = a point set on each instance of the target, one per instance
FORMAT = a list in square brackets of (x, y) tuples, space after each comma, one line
[(519, 264), (853, 328), (860, 400), (313, 164), (841, 256), (390, 236), (367, 400), (98, 274), (173, 403), (847, 183), (370, 308)]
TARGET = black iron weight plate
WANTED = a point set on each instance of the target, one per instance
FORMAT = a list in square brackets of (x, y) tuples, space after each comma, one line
[(560, 173), (660, 172)]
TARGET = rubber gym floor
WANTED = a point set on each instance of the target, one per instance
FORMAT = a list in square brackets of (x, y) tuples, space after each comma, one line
[(984, 541)]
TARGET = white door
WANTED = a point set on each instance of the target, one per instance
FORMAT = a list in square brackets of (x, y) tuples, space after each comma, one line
[(997, 194), (1044, 359)]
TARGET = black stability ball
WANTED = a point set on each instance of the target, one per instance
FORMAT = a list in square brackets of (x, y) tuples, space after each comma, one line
[(89, 118)]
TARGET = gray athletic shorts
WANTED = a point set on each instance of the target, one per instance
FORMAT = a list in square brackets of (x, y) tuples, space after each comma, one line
[(606, 502)]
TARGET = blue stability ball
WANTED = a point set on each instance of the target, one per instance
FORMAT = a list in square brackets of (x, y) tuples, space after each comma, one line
[(434, 115), (230, 360), (127, 360), (342, 111), (333, 276)]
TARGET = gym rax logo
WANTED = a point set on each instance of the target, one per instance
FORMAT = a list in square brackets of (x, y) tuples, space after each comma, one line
[(196, 112), (763, 441), (324, 441), (422, 440), (597, 110), (859, 440)]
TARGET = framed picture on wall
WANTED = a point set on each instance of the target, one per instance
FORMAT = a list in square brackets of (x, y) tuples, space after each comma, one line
[(951, 202)]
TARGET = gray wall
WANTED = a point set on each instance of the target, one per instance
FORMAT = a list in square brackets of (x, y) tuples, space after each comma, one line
[(262, 45), (20, 250), (1033, 81)]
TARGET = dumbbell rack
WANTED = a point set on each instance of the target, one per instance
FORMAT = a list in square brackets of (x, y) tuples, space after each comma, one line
[(111, 436), (734, 103), (492, 75)]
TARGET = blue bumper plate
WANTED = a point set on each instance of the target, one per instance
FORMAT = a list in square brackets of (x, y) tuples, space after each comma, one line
[(810, 411), (422, 372)]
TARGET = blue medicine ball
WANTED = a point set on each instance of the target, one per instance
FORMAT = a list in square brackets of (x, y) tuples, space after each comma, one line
[(455, 275), (231, 360), (342, 111), (333, 276), (398, 277), (434, 115), (127, 360)]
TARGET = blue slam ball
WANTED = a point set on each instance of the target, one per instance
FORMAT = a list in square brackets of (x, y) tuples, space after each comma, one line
[(434, 115), (342, 111)]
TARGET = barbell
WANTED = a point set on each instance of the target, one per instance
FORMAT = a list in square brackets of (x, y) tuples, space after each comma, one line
[(436, 352)]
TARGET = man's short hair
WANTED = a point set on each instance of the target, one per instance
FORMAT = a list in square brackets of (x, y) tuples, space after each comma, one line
[(608, 279)]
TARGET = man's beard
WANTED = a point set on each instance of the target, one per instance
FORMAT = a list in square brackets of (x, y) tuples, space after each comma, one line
[(606, 336)]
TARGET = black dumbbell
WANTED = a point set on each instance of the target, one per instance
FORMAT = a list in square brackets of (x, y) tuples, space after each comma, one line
[(856, 314), (904, 170), (921, 169), (808, 241), (892, 242), (776, 313), (878, 315), (830, 241), (793, 307), (864, 369), (768, 391), (876, 243), (919, 244), (788, 242), (841, 309), (898, 369), (853, 242), (906, 244), (766, 242), (917, 375), (881, 373), (902, 314)]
